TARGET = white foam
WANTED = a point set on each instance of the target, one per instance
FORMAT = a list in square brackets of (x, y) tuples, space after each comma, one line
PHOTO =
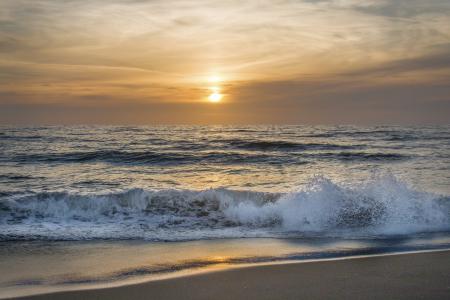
[(380, 206), (385, 206)]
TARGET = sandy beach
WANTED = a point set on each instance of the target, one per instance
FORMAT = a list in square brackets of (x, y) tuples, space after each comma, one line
[(406, 276)]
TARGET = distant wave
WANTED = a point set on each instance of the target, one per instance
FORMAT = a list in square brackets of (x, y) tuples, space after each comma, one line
[(270, 145), (195, 155), (154, 157), (103, 155), (386, 135), (381, 206), (16, 177), (363, 156), (20, 137)]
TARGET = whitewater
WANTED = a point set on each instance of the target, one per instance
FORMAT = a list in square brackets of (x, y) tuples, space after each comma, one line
[(381, 206)]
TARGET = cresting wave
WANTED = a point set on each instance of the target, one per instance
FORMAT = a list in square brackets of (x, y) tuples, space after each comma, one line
[(381, 206)]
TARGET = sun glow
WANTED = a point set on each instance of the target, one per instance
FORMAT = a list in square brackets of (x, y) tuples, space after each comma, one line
[(215, 97), (214, 79)]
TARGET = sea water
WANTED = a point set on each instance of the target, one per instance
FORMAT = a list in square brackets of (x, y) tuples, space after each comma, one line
[(297, 192)]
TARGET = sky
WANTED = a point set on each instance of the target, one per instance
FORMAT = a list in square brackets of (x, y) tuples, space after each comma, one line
[(225, 62)]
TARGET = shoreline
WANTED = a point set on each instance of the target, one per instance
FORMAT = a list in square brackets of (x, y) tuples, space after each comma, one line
[(429, 266)]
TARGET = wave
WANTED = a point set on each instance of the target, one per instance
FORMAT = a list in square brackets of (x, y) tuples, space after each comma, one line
[(363, 156), (4, 136), (194, 155), (155, 157), (102, 155), (381, 206), (16, 177), (280, 145), (386, 135)]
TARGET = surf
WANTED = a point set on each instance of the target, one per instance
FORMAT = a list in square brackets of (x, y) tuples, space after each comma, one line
[(379, 206)]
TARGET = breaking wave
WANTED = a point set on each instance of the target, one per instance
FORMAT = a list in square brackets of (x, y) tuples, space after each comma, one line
[(379, 206)]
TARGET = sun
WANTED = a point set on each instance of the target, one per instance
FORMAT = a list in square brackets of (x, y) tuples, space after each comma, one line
[(215, 97), (215, 81)]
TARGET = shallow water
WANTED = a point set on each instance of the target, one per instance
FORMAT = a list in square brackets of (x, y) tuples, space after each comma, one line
[(43, 267)]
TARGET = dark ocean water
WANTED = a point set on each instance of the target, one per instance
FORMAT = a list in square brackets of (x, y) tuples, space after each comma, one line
[(174, 183)]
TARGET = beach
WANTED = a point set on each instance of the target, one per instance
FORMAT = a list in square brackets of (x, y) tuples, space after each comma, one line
[(406, 276), (193, 149)]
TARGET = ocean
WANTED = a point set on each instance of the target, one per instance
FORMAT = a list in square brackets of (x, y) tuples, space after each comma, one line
[(178, 198)]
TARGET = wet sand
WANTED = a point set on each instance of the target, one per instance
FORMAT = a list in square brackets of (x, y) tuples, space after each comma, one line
[(406, 276)]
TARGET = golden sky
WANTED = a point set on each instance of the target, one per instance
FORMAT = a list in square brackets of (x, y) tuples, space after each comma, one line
[(232, 62)]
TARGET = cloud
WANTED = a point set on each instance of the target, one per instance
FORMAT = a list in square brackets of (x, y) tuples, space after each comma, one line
[(273, 53), (406, 8)]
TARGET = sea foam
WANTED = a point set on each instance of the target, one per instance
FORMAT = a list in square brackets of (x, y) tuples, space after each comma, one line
[(380, 206)]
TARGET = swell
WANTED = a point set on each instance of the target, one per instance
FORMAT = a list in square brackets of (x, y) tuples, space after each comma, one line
[(193, 155), (364, 156), (386, 135), (16, 177), (283, 145), (153, 157), (381, 206)]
